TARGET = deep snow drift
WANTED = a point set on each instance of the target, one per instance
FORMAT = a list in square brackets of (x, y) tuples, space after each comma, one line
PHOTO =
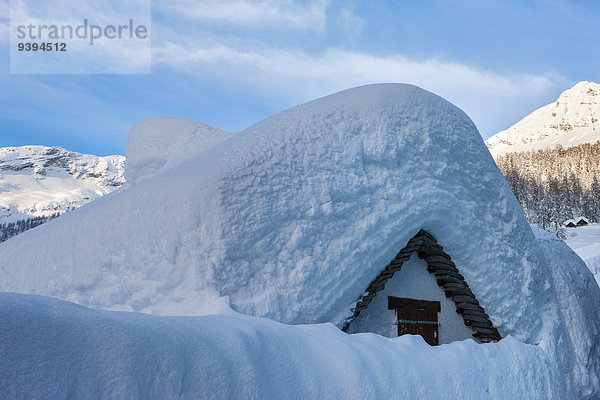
[(151, 150), (578, 298), (54, 349), (292, 218)]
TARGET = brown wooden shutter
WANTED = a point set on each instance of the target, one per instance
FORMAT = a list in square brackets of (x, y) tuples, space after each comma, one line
[(417, 317)]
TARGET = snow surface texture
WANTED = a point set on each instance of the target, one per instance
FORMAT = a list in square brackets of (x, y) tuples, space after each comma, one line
[(292, 218), (585, 240), (572, 120), (55, 349), (150, 150), (38, 181), (578, 299)]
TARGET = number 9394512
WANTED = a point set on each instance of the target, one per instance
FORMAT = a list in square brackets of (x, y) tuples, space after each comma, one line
[(44, 46)]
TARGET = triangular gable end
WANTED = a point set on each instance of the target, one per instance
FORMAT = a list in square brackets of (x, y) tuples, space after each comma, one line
[(582, 221), (448, 279)]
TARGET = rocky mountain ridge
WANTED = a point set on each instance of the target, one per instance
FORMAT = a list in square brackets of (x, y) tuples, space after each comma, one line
[(39, 181)]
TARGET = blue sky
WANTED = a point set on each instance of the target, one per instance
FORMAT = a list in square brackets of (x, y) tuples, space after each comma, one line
[(232, 63)]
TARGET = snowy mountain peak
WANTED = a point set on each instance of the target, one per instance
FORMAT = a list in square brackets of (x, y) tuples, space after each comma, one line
[(41, 181), (573, 119), (583, 88)]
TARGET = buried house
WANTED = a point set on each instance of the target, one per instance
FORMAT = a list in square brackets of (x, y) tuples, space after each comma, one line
[(378, 209)]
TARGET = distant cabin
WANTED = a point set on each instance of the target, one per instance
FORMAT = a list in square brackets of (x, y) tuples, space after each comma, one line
[(422, 292), (576, 222), (582, 222)]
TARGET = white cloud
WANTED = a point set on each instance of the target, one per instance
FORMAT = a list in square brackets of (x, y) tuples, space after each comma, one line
[(336, 68), (488, 97), (349, 21), (262, 14)]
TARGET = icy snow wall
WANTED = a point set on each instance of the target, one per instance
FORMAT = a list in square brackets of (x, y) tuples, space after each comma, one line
[(293, 217)]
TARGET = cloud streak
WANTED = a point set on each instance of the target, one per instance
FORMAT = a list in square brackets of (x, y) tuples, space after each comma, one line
[(301, 76), (258, 14), (335, 67)]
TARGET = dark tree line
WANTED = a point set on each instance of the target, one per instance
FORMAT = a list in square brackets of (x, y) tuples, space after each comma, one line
[(554, 185), (10, 229)]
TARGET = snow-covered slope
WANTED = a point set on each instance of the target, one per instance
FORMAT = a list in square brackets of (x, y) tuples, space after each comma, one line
[(573, 119), (578, 299), (54, 349), (293, 218), (38, 181), (585, 240)]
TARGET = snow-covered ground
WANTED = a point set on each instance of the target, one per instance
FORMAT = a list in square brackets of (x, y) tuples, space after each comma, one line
[(55, 349), (585, 240)]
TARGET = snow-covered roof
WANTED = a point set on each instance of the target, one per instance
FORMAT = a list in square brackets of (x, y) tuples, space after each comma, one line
[(293, 217), (575, 221)]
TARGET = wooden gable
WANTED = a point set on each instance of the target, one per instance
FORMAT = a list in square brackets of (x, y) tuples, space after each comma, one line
[(448, 279)]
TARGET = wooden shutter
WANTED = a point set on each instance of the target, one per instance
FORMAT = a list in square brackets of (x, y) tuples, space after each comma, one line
[(417, 317)]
